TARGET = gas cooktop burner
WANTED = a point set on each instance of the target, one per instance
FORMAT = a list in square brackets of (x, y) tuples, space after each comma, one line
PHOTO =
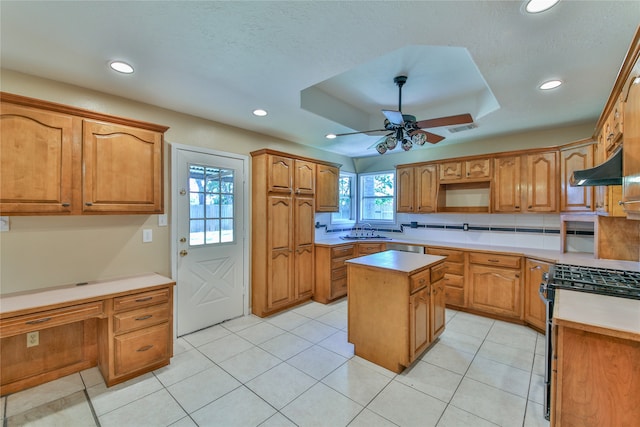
[(603, 281)]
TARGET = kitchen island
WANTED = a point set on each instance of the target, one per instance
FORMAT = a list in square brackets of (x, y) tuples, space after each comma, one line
[(396, 306)]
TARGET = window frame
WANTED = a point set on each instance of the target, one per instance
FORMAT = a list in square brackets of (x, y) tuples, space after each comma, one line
[(387, 222), (354, 200)]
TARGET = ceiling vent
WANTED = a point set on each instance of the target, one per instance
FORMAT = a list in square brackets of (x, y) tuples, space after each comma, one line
[(463, 128)]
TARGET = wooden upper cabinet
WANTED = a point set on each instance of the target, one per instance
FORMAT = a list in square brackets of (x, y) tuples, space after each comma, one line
[(405, 181), (327, 194), (122, 168), (506, 185), (450, 171), (37, 150), (631, 143), (465, 170), (57, 159), (305, 177), (426, 186), (575, 199), (541, 182), (280, 174)]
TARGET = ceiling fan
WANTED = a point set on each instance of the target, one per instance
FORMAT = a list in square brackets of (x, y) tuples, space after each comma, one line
[(406, 130)]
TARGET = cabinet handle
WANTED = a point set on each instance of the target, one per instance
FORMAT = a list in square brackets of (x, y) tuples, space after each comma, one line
[(517, 207), (35, 322), (145, 348), (493, 260), (621, 203), (144, 299), (588, 206), (518, 276), (148, 316), (89, 204), (66, 205), (529, 207)]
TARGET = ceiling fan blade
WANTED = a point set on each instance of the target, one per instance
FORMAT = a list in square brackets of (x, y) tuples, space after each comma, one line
[(460, 119), (368, 132), (432, 138), (394, 117)]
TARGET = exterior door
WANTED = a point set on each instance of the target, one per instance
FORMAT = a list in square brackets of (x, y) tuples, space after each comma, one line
[(210, 238)]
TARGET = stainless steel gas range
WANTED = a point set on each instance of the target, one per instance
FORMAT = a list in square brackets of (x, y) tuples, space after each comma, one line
[(602, 281)]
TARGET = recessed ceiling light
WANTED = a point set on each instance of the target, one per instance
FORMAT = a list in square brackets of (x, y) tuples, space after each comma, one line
[(537, 6), (330, 136), (551, 84), (121, 67), (260, 112)]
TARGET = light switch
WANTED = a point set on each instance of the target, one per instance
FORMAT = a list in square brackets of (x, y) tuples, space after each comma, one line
[(147, 235), (162, 220), (4, 223)]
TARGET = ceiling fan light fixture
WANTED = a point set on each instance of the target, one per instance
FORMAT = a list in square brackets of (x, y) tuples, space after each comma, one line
[(537, 6), (381, 148), (391, 142), (330, 136), (419, 138), (406, 144)]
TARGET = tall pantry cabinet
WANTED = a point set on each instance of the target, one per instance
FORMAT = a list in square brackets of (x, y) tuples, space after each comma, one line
[(282, 235)]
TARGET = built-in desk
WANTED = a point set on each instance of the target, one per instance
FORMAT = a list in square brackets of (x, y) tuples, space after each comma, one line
[(123, 326), (396, 306)]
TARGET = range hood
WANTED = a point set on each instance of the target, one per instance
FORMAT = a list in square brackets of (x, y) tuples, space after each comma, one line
[(608, 173)]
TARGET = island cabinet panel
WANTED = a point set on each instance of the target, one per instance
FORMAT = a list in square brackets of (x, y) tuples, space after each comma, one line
[(596, 380), (391, 312), (56, 159), (495, 284)]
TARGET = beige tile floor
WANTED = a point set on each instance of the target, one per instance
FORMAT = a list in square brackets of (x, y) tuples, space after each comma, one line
[(297, 368)]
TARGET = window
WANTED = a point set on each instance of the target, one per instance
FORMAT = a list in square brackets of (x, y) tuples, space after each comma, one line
[(210, 205), (376, 195), (346, 199)]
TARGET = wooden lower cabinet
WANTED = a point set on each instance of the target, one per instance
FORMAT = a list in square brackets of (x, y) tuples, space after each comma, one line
[(596, 379), (534, 308), (454, 279), (495, 284), (125, 334)]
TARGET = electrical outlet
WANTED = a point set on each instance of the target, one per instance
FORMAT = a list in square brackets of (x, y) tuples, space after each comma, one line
[(147, 235), (4, 223), (33, 339)]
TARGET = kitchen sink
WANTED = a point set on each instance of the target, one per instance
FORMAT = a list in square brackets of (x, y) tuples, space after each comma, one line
[(378, 237)]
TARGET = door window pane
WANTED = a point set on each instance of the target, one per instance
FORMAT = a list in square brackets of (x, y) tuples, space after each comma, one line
[(211, 205)]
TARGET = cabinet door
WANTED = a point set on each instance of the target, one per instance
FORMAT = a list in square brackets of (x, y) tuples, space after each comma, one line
[(405, 193), (426, 188), (36, 161), (534, 308), (495, 290), (279, 174), (542, 195), (631, 160), (506, 184), (305, 178), (450, 171), (419, 320), (122, 169), (575, 199), (477, 168), (437, 309), (327, 195), (280, 285), (304, 250)]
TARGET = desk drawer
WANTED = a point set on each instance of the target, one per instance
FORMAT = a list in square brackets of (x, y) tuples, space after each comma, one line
[(141, 318), (50, 318), (508, 261), (144, 299), (137, 350)]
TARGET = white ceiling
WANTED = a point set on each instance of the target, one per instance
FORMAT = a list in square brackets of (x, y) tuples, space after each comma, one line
[(221, 59)]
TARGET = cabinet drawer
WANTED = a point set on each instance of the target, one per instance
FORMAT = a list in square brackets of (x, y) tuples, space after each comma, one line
[(370, 248), (141, 318), (343, 251), (137, 350), (339, 273), (491, 259), (453, 280), (437, 272), (144, 299), (339, 262), (339, 287), (452, 255), (454, 296), (454, 268), (420, 280), (50, 318)]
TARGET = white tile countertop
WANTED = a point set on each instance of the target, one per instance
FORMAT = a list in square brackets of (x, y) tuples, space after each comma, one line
[(20, 301), (406, 262), (576, 258), (598, 313)]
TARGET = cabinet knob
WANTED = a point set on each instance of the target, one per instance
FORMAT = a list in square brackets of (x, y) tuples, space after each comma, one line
[(517, 207), (620, 203), (66, 205)]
